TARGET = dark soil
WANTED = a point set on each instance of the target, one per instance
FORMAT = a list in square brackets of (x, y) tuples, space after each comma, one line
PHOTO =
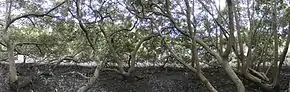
[(151, 79)]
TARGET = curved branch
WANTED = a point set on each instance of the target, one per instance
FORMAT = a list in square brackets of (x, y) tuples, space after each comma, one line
[(133, 54), (32, 15)]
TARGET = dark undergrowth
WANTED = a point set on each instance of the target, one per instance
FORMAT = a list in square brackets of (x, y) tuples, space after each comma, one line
[(66, 78)]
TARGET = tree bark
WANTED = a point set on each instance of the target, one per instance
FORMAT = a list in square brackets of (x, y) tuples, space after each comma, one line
[(12, 68)]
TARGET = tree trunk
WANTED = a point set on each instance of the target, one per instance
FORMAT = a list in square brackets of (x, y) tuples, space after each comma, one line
[(275, 65), (228, 69), (224, 63), (93, 79), (112, 50), (240, 40), (194, 58), (201, 76), (248, 61), (9, 43), (12, 67), (224, 60), (133, 54), (282, 59)]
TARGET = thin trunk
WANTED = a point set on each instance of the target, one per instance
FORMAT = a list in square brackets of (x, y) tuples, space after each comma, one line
[(191, 34), (240, 40), (9, 43), (239, 84), (221, 40), (248, 62), (133, 54), (201, 76), (217, 40), (94, 78), (282, 59), (194, 58), (114, 53), (12, 67), (275, 65), (231, 39)]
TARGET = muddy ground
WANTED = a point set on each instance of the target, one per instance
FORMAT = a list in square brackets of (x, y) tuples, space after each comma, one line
[(151, 79)]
